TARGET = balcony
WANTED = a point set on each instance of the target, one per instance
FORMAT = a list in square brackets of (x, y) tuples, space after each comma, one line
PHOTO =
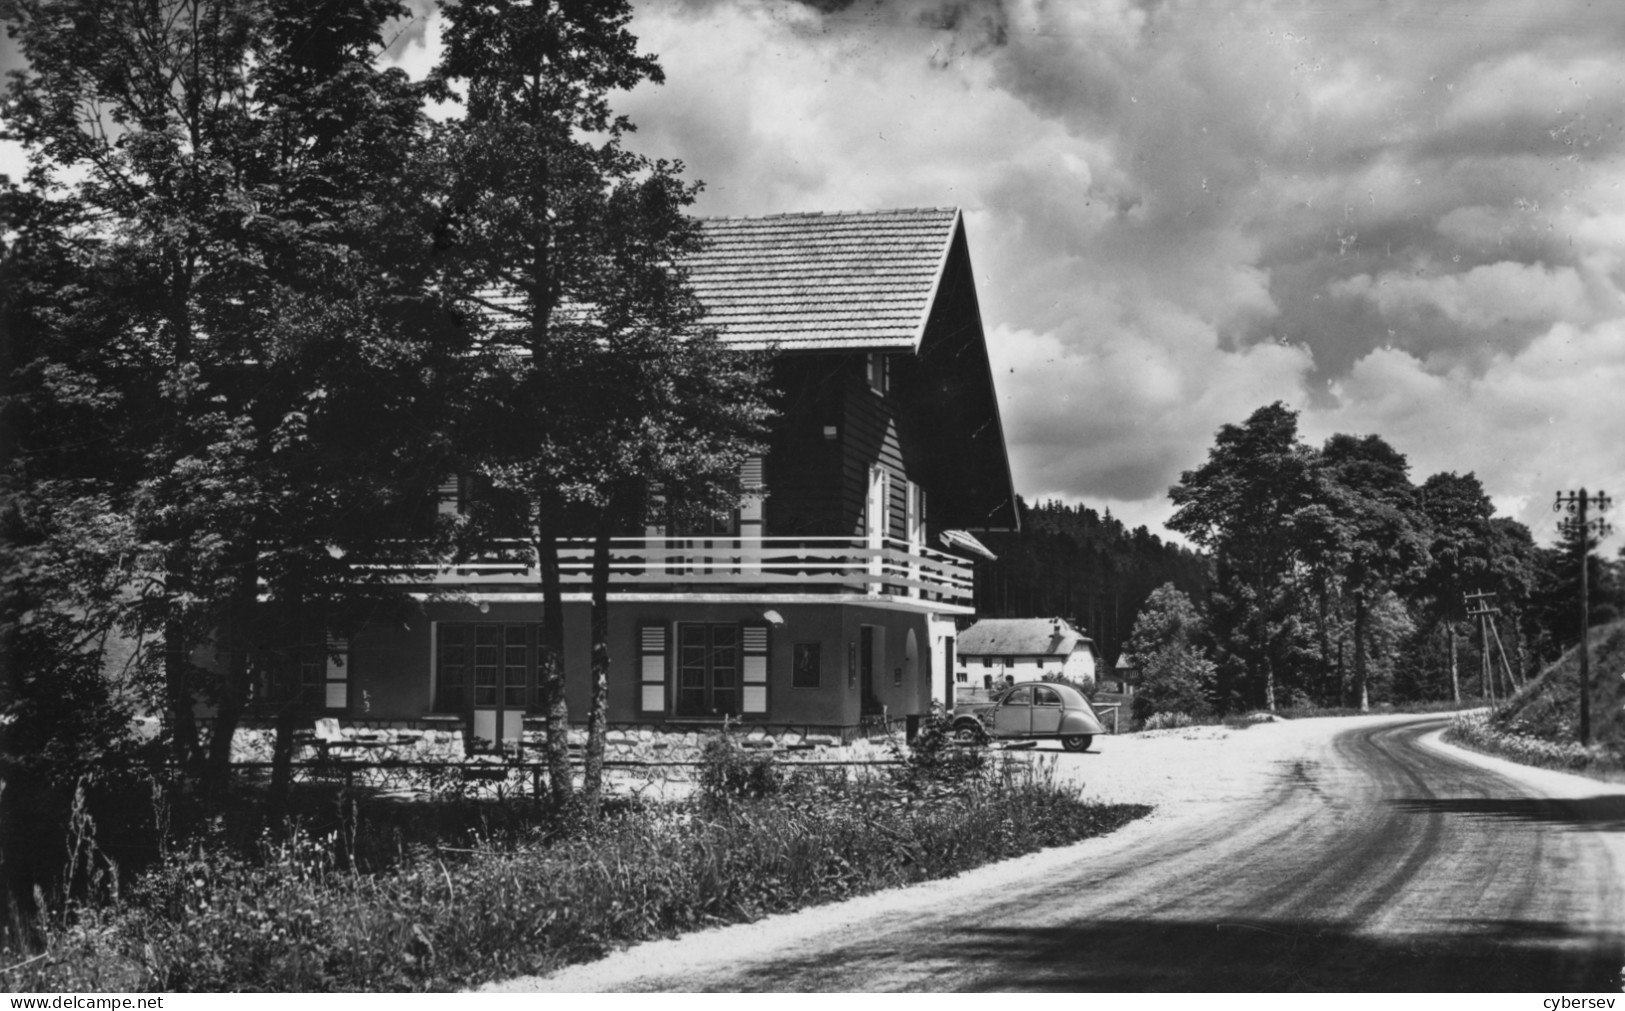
[(719, 564)]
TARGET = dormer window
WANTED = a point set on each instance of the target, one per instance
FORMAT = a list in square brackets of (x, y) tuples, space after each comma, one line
[(879, 374)]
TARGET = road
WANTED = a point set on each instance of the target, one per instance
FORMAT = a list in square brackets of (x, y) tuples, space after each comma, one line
[(1353, 855)]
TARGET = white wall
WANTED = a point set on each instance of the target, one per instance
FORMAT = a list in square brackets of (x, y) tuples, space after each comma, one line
[(1080, 666)]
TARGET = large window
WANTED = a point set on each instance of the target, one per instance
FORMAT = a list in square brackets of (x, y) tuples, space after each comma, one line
[(720, 669), (485, 666)]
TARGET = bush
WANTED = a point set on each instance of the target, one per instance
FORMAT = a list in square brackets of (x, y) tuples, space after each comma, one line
[(729, 773), (935, 760), (1167, 721), (1478, 731)]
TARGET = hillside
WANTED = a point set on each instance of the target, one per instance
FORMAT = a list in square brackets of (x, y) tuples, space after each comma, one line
[(1548, 707)]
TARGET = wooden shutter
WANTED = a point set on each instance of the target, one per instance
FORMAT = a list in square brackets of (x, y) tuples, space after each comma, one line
[(652, 649), (338, 673), (754, 640), (449, 500), (750, 504)]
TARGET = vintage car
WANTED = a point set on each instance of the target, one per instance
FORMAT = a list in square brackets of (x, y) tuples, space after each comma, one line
[(1039, 710)]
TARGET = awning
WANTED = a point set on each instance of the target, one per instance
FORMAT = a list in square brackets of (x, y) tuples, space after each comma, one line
[(965, 542)]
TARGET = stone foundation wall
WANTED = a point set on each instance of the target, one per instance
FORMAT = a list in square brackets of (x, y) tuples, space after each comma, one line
[(651, 743)]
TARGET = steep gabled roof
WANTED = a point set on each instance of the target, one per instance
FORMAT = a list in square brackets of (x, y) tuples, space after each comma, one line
[(1019, 637), (857, 281)]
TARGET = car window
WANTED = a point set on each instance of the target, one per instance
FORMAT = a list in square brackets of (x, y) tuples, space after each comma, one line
[(1019, 697), (1046, 697)]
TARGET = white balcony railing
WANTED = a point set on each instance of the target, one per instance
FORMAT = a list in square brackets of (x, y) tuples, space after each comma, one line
[(785, 564)]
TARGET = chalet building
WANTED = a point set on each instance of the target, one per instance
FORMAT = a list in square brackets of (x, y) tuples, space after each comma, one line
[(1024, 649), (830, 596)]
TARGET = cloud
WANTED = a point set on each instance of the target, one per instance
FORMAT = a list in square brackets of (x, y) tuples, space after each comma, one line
[(1532, 423), (1481, 298)]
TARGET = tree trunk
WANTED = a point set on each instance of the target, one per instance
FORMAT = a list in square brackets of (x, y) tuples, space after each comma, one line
[(1455, 672), (1324, 604), (550, 675), (1359, 651), (287, 719), (178, 695), (592, 776), (237, 635), (1519, 663)]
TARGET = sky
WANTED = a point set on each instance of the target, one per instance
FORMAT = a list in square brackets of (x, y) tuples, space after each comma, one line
[(1399, 218)]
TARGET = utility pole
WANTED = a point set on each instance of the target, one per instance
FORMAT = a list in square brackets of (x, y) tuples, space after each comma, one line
[(1577, 524), (1479, 606)]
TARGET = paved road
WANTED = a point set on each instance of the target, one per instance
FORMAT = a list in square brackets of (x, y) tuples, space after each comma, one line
[(1368, 858)]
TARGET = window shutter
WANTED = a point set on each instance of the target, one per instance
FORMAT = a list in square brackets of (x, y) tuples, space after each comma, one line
[(750, 503), (754, 640), (338, 680), (449, 499), (652, 640)]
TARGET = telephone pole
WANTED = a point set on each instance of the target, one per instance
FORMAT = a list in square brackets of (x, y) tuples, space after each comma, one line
[(1479, 605), (1577, 524)]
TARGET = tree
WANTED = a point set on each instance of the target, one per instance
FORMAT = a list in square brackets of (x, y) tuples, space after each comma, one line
[(1373, 525), (1471, 551), (1174, 674), (1459, 547), (248, 309), (1244, 504), (566, 246)]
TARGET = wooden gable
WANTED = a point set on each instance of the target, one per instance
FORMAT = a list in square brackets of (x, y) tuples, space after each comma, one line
[(830, 292)]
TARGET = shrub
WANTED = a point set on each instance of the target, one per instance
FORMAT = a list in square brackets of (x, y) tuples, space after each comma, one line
[(1167, 721), (935, 758), (1477, 730), (729, 773)]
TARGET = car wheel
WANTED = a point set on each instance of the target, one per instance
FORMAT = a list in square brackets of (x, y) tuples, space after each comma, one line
[(1077, 742), (970, 733)]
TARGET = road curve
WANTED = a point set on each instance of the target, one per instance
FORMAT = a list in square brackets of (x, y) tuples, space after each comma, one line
[(1353, 855)]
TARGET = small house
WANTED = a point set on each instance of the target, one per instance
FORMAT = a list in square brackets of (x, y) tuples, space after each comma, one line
[(1024, 649)]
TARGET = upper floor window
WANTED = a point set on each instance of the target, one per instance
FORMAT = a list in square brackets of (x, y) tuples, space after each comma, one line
[(879, 372)]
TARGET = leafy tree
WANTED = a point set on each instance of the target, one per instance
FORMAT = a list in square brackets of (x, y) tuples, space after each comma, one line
[(566, 244), (1374, 527), (1174, 674), (1460, 546), (248, 315), (1245, 504), (1553, 613)]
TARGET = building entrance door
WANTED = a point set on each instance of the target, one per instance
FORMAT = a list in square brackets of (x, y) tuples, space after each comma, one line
[(499, 672)]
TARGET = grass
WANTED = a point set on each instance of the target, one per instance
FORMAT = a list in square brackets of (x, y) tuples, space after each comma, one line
[(295, 914), (1481, 732)]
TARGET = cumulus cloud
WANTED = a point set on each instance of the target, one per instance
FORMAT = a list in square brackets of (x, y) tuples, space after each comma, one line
[(1531, 423), (1483, 297)]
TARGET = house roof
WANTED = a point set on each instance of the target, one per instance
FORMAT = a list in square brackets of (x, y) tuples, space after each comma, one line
[(1020, 637), (863, 280)]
